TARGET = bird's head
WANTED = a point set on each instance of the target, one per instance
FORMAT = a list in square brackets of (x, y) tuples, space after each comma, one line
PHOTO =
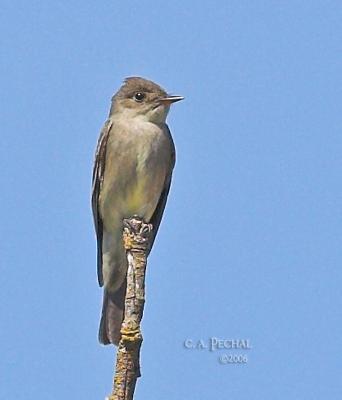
[(142, 98)]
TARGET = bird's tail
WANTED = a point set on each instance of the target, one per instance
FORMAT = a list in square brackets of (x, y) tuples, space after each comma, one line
[(112, 315)]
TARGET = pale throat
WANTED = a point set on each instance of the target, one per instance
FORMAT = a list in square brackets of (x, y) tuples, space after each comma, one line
[(133, 116)]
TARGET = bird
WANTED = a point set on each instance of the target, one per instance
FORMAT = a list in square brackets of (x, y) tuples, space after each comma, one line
[(134, 160)]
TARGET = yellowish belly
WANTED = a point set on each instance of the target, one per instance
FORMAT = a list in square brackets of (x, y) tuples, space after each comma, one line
[(142, 197), (137, 164), (132, 194)]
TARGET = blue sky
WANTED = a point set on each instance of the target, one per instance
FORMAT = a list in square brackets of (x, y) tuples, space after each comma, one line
[(250, 244)]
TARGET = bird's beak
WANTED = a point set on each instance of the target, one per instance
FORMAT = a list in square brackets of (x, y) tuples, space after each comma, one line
[(171, 99)]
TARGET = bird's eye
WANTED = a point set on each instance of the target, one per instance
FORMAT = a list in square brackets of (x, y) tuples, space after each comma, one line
[(139, 96)]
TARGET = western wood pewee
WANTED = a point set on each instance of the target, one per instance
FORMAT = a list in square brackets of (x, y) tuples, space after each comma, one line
[(132, 174)]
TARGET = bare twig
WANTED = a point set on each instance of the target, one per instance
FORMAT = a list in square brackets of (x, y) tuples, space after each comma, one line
[(136, 236)]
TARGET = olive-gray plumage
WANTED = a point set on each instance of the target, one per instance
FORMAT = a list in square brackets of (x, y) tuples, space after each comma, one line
[(134, 160)]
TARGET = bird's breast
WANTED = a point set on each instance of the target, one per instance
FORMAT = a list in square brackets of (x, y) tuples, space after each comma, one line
[(137, 162)]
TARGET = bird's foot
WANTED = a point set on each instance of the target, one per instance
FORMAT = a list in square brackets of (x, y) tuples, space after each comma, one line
[(136, 233)]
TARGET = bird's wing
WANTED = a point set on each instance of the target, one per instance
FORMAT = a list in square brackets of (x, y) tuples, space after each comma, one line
[(158, 213), (98, 174)]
